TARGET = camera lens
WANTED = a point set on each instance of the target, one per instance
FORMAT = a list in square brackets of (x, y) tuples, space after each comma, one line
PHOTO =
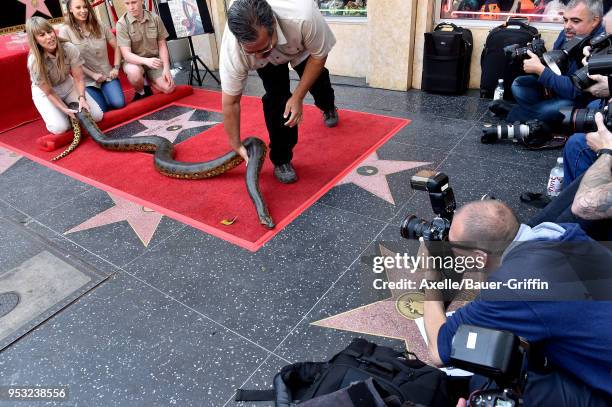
[(412, 227), (489, 134), (580, 78), (584, 120)]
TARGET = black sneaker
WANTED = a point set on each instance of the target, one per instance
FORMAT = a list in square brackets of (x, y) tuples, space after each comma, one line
[(147, 91), (285, 173), (500, 108), (330, 118)]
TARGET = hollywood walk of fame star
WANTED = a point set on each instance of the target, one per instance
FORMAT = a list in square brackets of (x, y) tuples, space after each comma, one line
[(7, 159), (143, 221), (171, 128), (385, 318), (371, 175), (32, 6), (395, 316)]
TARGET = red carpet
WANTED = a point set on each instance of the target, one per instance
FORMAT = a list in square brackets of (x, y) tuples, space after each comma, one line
[(322, 157)]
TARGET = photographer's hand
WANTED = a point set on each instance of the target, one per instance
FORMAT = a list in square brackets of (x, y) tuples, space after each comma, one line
[(533, 64), (586, 51), (600, 88), (602, 138)]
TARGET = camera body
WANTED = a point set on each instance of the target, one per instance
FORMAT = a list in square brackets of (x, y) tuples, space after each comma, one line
[(598, 63), (443, 205), (495, 354), (517, 54)]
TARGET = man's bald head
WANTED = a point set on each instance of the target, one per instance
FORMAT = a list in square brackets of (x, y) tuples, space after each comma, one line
[(490, 223)]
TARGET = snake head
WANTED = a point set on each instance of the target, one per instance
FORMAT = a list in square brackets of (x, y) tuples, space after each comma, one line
[(267, 221)]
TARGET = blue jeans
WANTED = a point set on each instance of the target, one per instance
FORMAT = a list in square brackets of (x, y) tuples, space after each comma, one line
[(577, 158), (109, 96), (529, 95)]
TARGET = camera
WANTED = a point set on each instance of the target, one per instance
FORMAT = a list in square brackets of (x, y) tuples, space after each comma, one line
[(443, 205), (517, 54), (533, 133), (498, 355), (558, 59), (583, 120), (598, 63)]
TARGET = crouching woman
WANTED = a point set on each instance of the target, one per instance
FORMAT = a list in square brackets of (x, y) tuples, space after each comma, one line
[(56, 73)]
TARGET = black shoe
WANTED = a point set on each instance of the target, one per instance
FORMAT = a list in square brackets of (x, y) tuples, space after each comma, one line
[(285, 173), (147, 91), (535, 199), (330, 118), (500, 108)]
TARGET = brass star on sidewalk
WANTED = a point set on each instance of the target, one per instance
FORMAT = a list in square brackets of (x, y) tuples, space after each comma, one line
[(371, 175), (390, 318), (143, 221)]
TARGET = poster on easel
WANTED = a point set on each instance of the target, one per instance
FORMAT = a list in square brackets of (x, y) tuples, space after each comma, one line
[(185, 18), (16, 12)]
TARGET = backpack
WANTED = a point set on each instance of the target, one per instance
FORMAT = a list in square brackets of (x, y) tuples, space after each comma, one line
[(398, 377), (493, 62), (446, 59)]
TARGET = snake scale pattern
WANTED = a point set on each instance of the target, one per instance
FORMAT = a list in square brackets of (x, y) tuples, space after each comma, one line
[(166, 164)]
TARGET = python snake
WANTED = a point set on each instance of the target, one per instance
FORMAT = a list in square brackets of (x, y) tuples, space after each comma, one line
[(167, 165)]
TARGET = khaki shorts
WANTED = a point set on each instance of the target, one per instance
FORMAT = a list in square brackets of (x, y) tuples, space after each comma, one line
[(151, 73)]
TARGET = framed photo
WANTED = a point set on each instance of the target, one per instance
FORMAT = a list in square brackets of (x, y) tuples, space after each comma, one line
[(185, 18)]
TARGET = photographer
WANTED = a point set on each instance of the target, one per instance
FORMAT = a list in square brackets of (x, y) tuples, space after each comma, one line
[(581, 18), (587, 200), (577, 155), (575, 335)]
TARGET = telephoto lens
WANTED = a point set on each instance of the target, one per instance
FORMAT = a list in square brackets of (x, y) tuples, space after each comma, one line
[(491, 133)]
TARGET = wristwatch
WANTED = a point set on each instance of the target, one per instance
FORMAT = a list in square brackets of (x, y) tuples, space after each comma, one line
[(81, 96), (602, 151)]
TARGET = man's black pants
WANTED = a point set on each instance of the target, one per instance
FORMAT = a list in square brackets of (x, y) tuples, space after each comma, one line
[(276, 82)]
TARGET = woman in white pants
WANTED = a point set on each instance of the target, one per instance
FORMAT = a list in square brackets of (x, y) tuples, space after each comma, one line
[(56, 73)]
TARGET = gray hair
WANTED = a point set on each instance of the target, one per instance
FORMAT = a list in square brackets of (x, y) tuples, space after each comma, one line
[(245, 17), (595, 7)]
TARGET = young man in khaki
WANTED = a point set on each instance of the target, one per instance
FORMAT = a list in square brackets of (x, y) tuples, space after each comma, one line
[(141, 36)]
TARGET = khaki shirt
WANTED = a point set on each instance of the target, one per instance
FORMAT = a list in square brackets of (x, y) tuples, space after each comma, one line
[(93, 51), (301, 31), (72, 59), (141, 36)]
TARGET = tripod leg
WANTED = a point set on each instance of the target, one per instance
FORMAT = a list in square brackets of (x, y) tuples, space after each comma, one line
[(208, 70)]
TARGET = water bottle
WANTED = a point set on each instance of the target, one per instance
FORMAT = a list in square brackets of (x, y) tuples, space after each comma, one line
[(555, 181), (499, 90)]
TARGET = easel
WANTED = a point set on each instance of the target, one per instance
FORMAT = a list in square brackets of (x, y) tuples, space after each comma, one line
[(194, 69)]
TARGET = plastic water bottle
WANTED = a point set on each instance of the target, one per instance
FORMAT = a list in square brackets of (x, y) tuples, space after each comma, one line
[(555, 181), (499, 90)]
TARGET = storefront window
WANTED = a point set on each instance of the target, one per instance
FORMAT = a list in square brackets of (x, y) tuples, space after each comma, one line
[(545, 11), (343, 8)]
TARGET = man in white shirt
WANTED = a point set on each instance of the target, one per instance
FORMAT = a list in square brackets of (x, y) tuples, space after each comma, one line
[(266, 36)]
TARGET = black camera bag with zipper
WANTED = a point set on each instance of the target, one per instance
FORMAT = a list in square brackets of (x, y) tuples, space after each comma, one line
[(398, 377), (446, 59), (493, 62)]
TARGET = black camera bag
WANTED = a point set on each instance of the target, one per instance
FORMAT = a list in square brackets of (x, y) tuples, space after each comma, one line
[(493, 62), (396, 375), (446, 59)]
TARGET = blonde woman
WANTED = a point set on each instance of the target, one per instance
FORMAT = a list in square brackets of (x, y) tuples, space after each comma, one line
[(57, 77), (90, 37)]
